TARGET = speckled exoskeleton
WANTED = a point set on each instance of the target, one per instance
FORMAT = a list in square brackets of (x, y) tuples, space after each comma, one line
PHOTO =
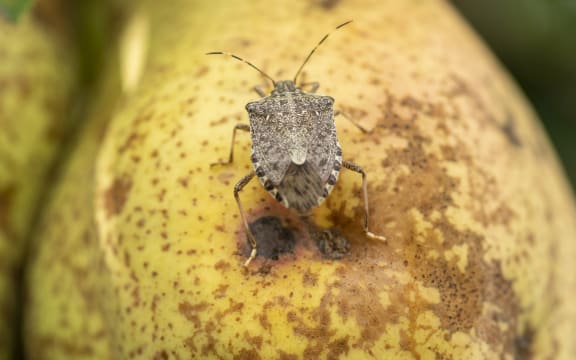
[(295, 150)]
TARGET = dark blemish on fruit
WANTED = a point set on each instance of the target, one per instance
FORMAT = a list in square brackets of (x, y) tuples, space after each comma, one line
[(116, 196), (247, 354), (272, 238), (203, 70), (161, 355), (523, 344), (244, 42), (331, 243), (338, 347), (222, 265), (255, 341), (128, 142), (510, 132), (183, 181)]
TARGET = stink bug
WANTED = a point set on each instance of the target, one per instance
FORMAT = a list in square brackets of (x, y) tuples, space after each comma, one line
[(295, 151)]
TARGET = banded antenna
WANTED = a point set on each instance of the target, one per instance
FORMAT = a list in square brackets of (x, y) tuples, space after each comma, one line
[(245, 62), (301, 66), (315, 47)]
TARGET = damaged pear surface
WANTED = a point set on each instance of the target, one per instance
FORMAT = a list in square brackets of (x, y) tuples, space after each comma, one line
[(477, 262)]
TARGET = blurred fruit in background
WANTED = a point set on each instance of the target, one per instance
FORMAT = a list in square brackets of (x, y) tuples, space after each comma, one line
[(536, 42), (50, 54)]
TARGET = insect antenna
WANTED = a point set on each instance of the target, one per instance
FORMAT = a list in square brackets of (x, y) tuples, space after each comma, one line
[(245, 62), (315, 47)]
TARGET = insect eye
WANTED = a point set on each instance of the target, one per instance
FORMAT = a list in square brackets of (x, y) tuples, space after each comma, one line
[(327, 101), (252, 108)]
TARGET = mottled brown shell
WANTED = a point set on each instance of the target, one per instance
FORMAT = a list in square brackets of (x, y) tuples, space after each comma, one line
[(294, 147)]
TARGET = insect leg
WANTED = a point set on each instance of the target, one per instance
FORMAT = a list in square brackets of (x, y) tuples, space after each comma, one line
[(237, 188), (313, 86), (244, 127), (260, 90), (351, 166), (360, 127)]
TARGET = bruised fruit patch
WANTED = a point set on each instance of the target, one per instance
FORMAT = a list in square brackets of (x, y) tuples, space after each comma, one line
[(326, 4), (331, 243), (450, 278), (524, 344), (272, 238)]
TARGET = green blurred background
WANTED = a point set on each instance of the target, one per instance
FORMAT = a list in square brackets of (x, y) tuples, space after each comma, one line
[(536, 41)]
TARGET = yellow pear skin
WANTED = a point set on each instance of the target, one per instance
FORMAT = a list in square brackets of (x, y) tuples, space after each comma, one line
[(462, 181), (69, 310), (37, 77)]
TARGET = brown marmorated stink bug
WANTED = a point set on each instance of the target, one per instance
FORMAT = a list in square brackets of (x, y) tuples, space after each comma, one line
[(295, 151)]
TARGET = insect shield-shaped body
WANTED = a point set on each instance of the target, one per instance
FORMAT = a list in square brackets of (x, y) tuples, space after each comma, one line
[(295, 151)]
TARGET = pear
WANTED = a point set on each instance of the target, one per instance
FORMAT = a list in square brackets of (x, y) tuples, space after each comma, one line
[(35, 101), (67, 283), (142, 250)]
